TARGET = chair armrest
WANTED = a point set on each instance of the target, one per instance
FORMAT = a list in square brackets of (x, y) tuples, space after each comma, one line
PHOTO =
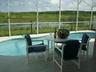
[(38, 41), (83, 43), (60, 48), (29, 46), (37, 45)]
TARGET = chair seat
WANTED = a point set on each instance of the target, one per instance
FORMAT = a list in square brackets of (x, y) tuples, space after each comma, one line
[(84, 41), (37, 48), (66, 57), (71, 49)]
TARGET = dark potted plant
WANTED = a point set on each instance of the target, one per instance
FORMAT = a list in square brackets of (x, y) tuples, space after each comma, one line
[(62, 33)]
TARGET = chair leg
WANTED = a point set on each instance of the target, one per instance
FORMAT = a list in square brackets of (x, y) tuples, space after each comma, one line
[(78, 64), (53, 54), (46, 55), (61, 68), (61, 61), (27, 58)]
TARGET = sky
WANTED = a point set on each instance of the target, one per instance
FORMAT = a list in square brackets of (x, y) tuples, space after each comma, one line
[(44, 5)]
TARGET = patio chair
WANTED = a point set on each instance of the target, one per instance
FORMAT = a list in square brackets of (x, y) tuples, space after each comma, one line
[(69, 51), (84, 44), (38, 48)]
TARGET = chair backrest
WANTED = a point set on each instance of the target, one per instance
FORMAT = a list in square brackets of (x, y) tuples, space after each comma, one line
[(71, 49), (28, 40), (84, 41)]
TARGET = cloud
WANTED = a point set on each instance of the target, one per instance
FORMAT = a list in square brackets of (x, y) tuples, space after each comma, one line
[(45, 5), (55, 2)]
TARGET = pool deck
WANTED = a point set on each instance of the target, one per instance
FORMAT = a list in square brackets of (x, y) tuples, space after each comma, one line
[(22, 36), (19, 63), (91, 41), (36, 35)]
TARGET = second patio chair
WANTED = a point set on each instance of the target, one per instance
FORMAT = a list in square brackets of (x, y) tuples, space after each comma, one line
[(84, 44), (69, 51), (38, 48)]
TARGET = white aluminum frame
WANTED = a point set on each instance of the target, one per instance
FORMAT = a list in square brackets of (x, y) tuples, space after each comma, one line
[(60, 65), (37, 20)]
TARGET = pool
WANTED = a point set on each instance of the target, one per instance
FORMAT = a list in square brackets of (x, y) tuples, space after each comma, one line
[(17, 47), (14, 47), (78, 34)]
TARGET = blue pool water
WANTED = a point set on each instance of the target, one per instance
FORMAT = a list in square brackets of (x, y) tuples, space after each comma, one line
[(17, 47), (78, 35), (13, 47)]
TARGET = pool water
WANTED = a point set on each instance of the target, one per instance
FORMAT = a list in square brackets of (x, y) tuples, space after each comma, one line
[(13, 47), (17, 47), (78, 35)]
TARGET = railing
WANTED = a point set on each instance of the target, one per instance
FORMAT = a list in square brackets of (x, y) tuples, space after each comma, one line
[(44, 27)]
